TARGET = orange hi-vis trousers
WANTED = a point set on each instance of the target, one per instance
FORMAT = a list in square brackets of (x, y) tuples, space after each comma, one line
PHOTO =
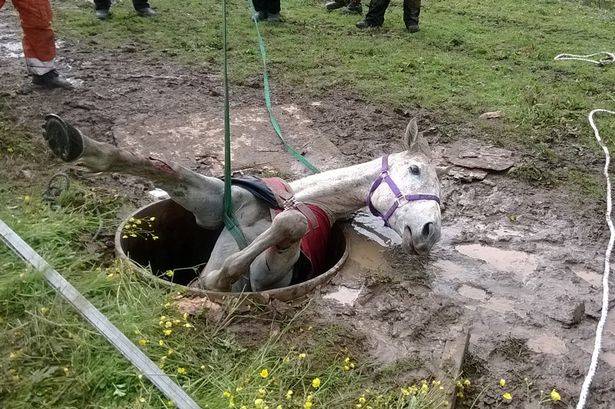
[(38, 39)]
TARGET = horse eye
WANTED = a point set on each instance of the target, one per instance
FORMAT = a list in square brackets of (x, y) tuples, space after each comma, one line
[(414, 169)]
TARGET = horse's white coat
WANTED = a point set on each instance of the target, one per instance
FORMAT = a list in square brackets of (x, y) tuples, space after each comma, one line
[(274, 247)]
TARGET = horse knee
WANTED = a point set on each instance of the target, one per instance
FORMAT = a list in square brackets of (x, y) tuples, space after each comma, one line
[(292, 224)]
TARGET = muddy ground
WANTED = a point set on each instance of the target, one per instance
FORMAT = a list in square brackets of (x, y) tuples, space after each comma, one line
[(519, 267)]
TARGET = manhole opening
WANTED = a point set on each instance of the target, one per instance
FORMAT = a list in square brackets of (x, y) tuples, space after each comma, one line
[(176, 248)]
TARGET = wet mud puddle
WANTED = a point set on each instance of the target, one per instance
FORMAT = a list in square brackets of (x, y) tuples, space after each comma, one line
[(513, 261)]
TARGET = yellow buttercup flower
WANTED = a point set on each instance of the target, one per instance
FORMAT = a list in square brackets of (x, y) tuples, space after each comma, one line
[(502, 382), (182, 371), (143, 342), (307, 405), (555, 396), (226, 394), (167, 332), (161, 342), (507, 396), (289, 394), (302, 356), (316, 383), (264, 373)]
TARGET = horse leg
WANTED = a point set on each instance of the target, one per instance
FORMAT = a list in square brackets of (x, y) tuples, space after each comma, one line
[(201, 195), (269, 258)]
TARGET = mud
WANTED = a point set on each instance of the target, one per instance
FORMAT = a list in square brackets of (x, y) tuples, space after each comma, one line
[(513, 262)]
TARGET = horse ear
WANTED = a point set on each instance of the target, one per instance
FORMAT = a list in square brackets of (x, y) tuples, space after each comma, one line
[(414, 141), (411, 136)]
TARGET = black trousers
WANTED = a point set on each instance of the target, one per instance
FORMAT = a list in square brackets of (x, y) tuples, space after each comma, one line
[(105, 4), (375, 15), (267, 6)]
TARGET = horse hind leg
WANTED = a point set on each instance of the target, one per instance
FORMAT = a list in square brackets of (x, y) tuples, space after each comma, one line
[(269, 259), (201, 195)]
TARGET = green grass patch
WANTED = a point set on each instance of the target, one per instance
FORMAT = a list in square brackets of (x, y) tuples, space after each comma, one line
[(469, 57), (50, 357)]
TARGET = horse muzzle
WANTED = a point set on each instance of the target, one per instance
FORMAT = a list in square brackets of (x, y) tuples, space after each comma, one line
[(421, 242)]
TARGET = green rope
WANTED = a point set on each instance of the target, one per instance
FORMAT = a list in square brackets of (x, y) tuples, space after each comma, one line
[(267, 94), (229, 219)]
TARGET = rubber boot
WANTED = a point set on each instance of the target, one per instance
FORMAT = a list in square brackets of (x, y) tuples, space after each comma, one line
[(353, 7), (335, 4)]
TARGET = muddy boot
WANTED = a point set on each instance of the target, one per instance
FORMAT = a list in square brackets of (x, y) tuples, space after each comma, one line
[(102, 14), (274, 18), (259, 16), (412, 10), (51, 79), (335, 4), (65, 141), (354, 7), (147, 12), (363, 24)]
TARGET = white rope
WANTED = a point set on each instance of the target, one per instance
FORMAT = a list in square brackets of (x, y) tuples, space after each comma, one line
[(609, 58), (607, 265)]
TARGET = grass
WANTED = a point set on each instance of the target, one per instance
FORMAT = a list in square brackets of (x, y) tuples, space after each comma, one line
[(51, 358), (470, 57)]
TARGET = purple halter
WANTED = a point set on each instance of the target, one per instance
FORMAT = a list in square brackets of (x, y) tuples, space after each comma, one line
[(384, 176)]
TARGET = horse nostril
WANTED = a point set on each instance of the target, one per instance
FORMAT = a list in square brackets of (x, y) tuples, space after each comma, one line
[(427, 229)]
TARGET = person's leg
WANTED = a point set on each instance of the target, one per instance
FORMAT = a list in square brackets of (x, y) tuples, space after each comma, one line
[(412, 10), (39, 42), (375, 15), (273, 10), (101, 8), (102, 4)]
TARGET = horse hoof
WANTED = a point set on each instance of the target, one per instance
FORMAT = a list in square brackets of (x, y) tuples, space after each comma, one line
[(65, 141)]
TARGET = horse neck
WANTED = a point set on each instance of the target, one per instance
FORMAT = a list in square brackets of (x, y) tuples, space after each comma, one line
[(339, 192)]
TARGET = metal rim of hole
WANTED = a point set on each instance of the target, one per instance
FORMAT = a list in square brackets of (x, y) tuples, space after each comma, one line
[(282, 294)]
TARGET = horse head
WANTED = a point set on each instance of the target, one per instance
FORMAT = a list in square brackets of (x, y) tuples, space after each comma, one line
[(406, 194)]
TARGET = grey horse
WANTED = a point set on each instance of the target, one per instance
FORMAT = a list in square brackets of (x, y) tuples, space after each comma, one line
[(402, 188)]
